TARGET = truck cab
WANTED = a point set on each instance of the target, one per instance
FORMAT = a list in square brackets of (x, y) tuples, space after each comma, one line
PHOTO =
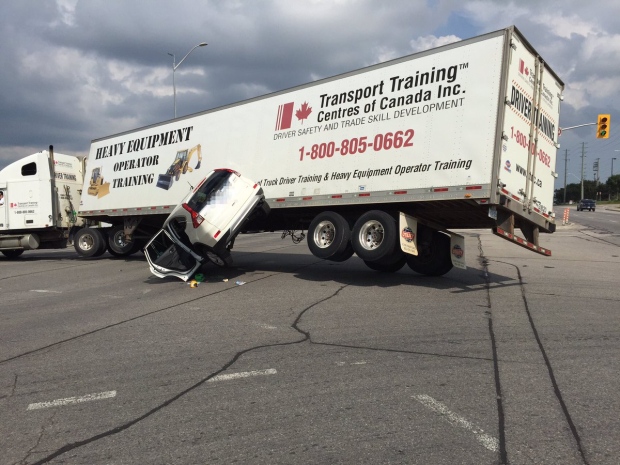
[(41, 194)]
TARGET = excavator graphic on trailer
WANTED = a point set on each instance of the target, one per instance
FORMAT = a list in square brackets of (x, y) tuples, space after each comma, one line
[(179, 166)]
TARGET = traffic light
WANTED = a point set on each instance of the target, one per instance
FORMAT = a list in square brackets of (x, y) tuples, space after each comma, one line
[(602, 127)]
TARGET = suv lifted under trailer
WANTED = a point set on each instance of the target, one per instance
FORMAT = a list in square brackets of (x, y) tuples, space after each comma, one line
[(382, 162)]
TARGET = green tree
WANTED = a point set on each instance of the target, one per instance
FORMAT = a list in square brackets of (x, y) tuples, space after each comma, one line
[(573, 191), (613, 186)]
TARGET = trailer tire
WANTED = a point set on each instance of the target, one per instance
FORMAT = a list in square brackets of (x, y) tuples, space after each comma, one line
[(329, 236), (345, 255), (433, 257), (12, 254), (374, 236), (389, 264), (117, 245), (89, 242)]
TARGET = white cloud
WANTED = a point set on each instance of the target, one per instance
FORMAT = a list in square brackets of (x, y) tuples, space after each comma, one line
[(420, 44), (66, 10)]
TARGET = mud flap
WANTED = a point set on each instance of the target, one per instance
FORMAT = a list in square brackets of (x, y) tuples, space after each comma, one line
[(457, 250), (408, 227), (164, 181)]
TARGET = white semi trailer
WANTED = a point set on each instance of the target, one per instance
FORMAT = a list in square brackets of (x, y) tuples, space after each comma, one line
[(383, 162)]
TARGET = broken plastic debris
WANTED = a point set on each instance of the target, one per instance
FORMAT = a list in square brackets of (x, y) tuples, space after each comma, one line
[(193, 283), (239, 283), (225, 280), (200, 278)]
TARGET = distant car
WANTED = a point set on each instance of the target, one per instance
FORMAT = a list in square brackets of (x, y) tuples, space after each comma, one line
[(586, 204), (204, 225)]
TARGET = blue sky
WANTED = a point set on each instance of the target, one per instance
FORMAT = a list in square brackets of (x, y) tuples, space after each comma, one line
[(77, 70)]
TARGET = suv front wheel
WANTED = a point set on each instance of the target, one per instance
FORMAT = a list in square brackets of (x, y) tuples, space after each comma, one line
[(222, 259)]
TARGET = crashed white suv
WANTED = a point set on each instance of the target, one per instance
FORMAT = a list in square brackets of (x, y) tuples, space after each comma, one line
[(204, 225)]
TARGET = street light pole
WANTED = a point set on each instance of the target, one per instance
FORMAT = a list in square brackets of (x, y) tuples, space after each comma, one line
[(175, 65), (612, 166)]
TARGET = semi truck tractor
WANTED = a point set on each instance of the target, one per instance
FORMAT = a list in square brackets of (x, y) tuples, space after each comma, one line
[(41, 194), (384, 162)]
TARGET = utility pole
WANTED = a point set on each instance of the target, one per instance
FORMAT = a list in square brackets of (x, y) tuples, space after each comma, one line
[(565, 169), (583, 156)]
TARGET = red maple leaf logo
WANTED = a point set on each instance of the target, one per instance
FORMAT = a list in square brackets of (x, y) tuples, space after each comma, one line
[(303, 112)]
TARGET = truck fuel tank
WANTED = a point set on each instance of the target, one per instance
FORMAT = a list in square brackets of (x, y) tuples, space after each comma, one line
[(20, 241)]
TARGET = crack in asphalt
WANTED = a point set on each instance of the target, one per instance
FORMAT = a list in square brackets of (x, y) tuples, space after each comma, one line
[(554, 383), (484, 263), (295, 325), (12, 393), (112, 325), (44, 427), (43, 271), (501, 418), (401, 351)]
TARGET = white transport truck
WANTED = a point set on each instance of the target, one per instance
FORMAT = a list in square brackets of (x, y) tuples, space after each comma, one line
[(383, 162), (40, 198)]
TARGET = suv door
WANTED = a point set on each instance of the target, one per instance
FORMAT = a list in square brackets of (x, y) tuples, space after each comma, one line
[(169, 258)]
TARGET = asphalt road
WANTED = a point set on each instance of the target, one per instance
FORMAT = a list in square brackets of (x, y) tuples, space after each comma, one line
[(289, 359), (605, 221)]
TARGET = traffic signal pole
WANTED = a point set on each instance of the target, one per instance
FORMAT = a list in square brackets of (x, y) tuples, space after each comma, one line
[(602, 132)]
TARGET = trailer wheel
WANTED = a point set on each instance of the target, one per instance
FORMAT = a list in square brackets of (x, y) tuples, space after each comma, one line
[(329, 237), (389, 264), (433, 257), (117, 245), (11, 254), (89, 242), (374, 236)]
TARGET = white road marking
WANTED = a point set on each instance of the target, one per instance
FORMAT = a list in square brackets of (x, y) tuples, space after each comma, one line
[(244, 374), (361, 362), (45, 290), (73, 400), (268, 327), (486, 440)]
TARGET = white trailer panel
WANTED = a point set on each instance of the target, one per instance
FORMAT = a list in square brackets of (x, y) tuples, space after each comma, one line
[(424, 121)]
